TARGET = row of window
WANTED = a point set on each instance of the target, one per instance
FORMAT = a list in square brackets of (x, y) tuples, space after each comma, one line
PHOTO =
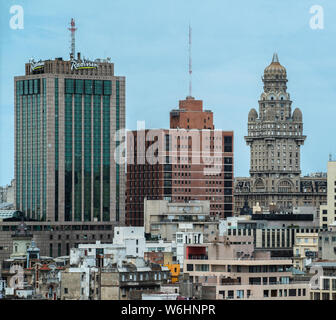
[(80, 86)]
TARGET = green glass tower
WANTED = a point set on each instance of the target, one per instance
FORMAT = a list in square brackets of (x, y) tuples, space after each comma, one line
[(66, 117)]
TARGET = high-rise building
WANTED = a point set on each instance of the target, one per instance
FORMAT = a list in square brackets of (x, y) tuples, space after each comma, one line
[(70, 183), (67, 113), (275, 136), (194, 162)]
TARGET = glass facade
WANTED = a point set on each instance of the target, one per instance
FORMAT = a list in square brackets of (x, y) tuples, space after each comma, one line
[(68, 152), (117, 155), (91, 102), (78, 156), (56, 148), (38, 156), (44, 183), (96, 154), (87, 148), (28, 147), (87, 155), (106, 158), (19, 92), (33, 166)]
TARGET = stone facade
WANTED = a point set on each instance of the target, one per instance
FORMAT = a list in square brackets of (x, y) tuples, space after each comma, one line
[(275, 137)]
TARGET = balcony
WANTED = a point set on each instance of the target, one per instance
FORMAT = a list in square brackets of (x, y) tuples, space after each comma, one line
[(199, 257)]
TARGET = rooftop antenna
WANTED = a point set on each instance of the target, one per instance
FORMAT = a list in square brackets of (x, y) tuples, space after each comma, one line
[(73, 29), (190, 64)]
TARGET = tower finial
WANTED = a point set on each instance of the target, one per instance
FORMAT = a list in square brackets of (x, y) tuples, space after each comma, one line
[(73, 40), (190, 63), (275, 57)]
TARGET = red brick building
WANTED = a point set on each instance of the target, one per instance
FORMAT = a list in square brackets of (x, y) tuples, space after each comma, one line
[(189, 161)]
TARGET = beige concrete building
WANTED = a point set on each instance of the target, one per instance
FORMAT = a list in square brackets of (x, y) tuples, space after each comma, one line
[(327, 245), (126, 282), (7, 195), (323, 286), (305, 249), (328, 211), (278, 238), (226, 271), (165, 219)]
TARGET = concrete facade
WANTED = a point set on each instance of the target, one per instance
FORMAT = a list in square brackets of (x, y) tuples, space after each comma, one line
[(166, 220), (305, 249), (222, 272), (328, 211)]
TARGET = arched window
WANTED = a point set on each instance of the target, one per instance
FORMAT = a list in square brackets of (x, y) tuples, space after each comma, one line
[(285, 186), (259, 185)]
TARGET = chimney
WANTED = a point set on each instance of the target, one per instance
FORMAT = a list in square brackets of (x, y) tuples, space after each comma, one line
[(78, 56)]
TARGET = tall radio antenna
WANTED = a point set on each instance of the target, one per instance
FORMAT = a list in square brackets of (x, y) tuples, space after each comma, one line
[(190, 63), (73, 29)]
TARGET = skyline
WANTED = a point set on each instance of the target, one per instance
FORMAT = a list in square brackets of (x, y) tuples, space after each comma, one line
[(225, 75)]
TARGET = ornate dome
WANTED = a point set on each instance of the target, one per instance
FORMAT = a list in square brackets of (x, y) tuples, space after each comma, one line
[(297, 115), (252, 115), (275, 67)]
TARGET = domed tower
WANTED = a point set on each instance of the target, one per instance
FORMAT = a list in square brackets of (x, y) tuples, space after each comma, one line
[(275, 136)]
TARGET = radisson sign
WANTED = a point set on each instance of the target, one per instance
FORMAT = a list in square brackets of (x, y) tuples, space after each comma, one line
[(35, 66), (85, 64)]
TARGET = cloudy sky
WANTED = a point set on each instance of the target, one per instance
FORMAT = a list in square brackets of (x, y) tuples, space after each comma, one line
[(233, 41)]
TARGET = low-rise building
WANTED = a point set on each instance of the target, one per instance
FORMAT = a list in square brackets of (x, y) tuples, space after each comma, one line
[(328, 210), (327, 245), (323, 282), (161, 258), (132, 280), (305, 249), (272, 235), (175, 272), (80, 283), (221, 270), (164, 219)]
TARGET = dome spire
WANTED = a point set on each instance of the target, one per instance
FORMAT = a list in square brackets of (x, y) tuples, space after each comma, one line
[(275, 58)]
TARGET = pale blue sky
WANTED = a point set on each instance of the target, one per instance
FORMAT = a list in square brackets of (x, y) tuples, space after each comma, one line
[(233, 41)]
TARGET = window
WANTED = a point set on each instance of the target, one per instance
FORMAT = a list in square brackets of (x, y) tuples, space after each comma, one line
[(292, 292), (326, 284), (65, 290), (240, 294), (190, 267), (334, 284), (325, 296)]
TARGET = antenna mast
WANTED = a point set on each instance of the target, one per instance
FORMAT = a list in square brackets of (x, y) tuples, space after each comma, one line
[(73, 29), (190, 63)]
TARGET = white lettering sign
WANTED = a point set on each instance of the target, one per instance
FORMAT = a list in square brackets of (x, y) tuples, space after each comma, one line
[(85, 64), (16, 21), (36, 65)]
